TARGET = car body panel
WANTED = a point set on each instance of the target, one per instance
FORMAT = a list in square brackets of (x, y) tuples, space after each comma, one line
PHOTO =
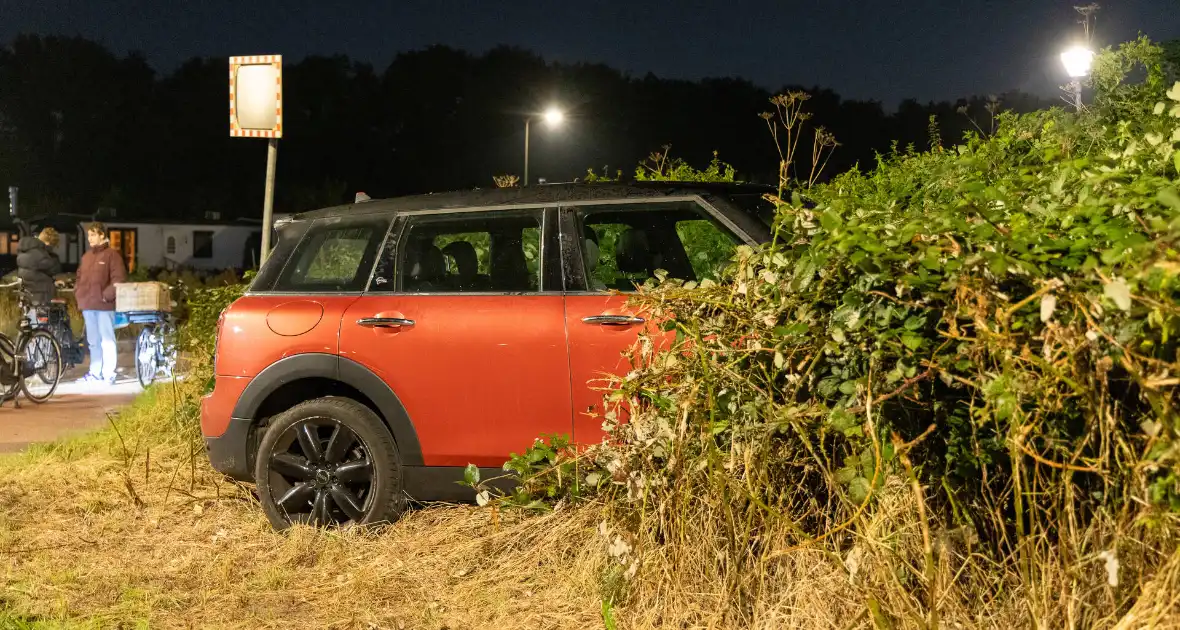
[(248, 343), (217, 407), (480, 375), (596, 353)]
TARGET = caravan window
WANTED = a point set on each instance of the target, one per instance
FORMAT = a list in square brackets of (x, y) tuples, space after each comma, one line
[(202, 244)]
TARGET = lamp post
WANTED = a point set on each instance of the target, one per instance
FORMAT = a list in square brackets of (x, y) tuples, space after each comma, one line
[(552, 118), (1077, 62)]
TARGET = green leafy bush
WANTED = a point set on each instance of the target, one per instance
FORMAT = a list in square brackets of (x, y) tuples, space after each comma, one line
[(1012, 294), (994, 326), (203, 307)]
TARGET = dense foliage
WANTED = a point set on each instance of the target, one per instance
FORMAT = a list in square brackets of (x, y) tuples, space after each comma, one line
[(203, 307), (1016, 292), (994, 324)]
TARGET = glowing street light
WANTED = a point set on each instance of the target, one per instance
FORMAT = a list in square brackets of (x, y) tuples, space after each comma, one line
[(1077, 61), (553, 117)]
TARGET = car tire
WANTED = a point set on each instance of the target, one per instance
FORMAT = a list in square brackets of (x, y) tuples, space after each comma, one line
[(312, 462)]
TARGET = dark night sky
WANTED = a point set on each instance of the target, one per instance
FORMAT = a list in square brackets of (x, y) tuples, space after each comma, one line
[(882, 49)]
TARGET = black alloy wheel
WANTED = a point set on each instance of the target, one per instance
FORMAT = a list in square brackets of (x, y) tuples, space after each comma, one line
[(328, 462)]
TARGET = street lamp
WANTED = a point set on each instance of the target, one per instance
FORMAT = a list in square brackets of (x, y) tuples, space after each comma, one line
[(1077, 60), (552, 117)]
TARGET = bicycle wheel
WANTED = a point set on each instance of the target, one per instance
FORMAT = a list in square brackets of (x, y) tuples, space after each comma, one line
[(9, 370), (146, 351), (40, 362), (168, 351)]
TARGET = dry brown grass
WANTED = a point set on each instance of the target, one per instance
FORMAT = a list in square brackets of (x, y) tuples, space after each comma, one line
[(88, 539), (130, 526), (874, 578)]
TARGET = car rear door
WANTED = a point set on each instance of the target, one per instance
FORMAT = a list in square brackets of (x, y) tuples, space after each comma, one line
[(464, 319), (611, 248)]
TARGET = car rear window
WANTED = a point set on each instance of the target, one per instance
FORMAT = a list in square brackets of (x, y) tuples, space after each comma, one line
[(335, 255)]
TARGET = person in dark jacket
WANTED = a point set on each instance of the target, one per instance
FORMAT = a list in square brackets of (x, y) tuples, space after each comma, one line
[(37, 264), (98, 272)]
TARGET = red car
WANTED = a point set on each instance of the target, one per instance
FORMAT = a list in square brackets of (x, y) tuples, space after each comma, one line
[(386, 345)]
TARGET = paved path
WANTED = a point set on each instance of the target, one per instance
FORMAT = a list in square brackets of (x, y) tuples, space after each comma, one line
[(75, 407)]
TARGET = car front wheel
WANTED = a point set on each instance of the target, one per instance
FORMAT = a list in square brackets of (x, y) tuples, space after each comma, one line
[(328, 462)]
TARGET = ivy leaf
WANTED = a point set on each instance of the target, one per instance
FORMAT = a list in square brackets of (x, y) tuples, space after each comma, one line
[(911, 341), (858, 490), (846, 474), (830, 220), (1174, 93), (1118, 291), (1168, 196), (797, 328), (471, 475), (841, 420)]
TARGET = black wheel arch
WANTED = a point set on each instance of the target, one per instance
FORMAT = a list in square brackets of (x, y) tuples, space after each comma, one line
[(319, 370)]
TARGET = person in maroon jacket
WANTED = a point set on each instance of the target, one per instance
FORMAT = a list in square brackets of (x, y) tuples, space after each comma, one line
[(101, 267)]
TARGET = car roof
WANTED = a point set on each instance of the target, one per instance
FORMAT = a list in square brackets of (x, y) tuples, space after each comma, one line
[(544, 193)]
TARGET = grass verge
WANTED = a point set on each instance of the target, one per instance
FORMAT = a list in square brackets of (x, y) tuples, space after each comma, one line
[(129, 527)]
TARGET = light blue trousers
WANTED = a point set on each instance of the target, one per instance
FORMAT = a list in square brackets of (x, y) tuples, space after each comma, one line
[(100, 335)]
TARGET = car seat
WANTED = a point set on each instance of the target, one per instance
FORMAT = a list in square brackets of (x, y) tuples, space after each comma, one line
[(510, 272), (466, 266), (427, 267), (633, 255), (590, 255)]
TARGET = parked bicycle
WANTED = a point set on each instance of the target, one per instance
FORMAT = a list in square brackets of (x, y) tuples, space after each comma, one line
[(55, 318), (155, 347), (31, 364)]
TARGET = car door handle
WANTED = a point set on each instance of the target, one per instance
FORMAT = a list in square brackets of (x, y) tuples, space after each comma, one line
[(384, 322), (613, 320)]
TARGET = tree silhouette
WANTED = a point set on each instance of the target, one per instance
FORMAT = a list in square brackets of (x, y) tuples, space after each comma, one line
[(82, 128)]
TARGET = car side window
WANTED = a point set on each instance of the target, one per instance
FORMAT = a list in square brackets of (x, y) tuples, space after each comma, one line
[(336, 255), (466, 252), (708, 245), (624, 245)]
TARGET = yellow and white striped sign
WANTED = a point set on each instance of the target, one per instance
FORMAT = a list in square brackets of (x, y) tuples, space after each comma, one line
[(252, 81)]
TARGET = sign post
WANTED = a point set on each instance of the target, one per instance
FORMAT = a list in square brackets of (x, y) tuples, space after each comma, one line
[(256, 111)]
